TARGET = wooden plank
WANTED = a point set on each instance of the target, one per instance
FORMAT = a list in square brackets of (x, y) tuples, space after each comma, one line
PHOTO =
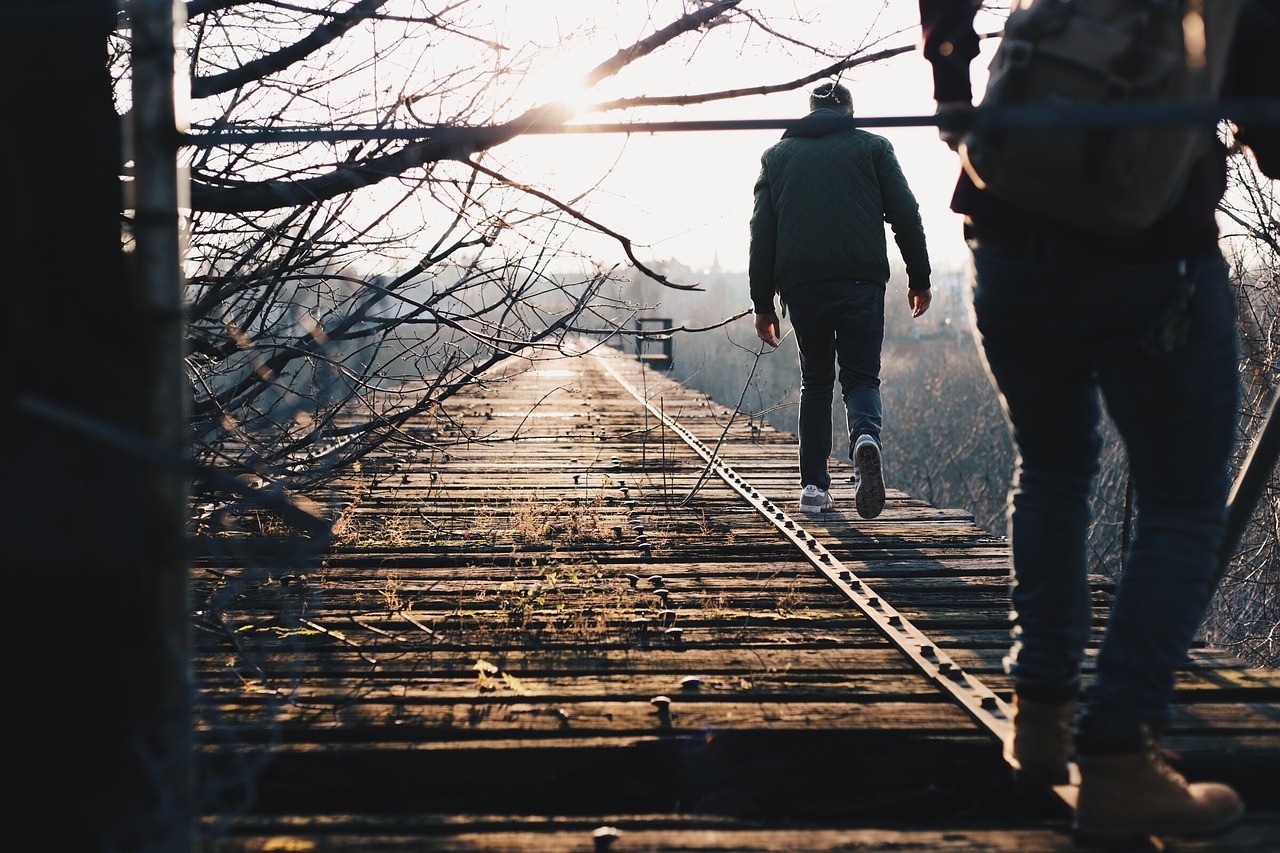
[(682, 832)]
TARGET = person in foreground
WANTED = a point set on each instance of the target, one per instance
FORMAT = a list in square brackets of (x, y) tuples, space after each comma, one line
[(818, 241), (1145, 323)]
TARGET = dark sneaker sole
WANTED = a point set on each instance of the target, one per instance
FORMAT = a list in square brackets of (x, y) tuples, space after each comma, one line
[(869, 497)]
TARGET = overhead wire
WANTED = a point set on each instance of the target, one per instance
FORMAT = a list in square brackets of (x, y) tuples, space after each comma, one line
[(1036, 116)]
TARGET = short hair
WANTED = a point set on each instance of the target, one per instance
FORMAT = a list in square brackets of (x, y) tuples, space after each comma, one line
[(831, 96)]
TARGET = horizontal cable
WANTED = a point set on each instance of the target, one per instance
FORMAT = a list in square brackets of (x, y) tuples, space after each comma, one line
[(1039, 116)]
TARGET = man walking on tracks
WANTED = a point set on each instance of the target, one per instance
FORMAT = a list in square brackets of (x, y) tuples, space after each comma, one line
[(817, 240), (1140, 318)]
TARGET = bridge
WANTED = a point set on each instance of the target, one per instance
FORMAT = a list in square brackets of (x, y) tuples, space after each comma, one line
[(599, 623)]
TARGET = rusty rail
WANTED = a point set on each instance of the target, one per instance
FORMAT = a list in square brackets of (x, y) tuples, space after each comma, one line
[(977, 700)]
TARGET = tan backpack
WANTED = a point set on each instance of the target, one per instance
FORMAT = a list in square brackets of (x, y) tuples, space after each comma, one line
[(1110, 179)]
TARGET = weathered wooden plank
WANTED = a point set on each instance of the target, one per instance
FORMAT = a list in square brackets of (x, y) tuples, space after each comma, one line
[(507, 716), (1210, 671), (675, 832)]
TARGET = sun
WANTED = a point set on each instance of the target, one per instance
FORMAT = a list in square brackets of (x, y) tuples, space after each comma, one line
[(565, 88)]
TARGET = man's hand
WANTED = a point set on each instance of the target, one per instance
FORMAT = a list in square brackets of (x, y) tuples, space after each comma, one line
[(768, 327), (919, 301), (954, 119)]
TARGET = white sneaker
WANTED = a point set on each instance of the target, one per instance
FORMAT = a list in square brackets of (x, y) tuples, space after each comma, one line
[(868, 492), (814, 500)]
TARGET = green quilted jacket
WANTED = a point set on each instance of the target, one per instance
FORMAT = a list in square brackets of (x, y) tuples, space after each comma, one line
[(821, 201)]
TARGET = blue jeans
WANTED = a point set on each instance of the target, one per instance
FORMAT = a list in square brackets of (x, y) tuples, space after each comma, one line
[(1058, 330), (836, 321)]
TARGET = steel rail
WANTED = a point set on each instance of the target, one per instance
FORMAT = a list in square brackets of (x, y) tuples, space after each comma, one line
[(983, 704), (977, 700)]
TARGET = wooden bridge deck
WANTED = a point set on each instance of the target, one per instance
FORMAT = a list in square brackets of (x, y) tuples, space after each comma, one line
[(571, 633)]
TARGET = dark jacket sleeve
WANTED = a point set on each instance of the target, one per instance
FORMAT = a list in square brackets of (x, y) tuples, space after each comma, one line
[(1254, 72), (902, 212), (764, 245), (950, 44)]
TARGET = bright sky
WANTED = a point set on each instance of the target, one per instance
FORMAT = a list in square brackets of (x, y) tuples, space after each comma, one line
[(687, 196)]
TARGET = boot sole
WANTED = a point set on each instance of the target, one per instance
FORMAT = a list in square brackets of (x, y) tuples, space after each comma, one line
[(1128, 835), (869, 497)]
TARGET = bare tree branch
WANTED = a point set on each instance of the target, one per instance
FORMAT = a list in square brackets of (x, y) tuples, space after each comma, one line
[(730, 94), (326, 33), (446, 143), (625, 242), (650, 43)]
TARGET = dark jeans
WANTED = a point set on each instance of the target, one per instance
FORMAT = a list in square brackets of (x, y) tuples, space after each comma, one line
[(1058, 330), (836, 321)]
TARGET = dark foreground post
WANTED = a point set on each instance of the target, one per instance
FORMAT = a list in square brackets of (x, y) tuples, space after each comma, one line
[(95, 616)]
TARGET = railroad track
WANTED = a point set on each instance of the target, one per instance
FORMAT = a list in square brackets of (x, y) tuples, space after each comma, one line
[(975, 698)]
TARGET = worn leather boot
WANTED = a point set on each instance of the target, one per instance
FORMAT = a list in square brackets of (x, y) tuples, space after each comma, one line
[(1038, 747), (1138, 794)]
